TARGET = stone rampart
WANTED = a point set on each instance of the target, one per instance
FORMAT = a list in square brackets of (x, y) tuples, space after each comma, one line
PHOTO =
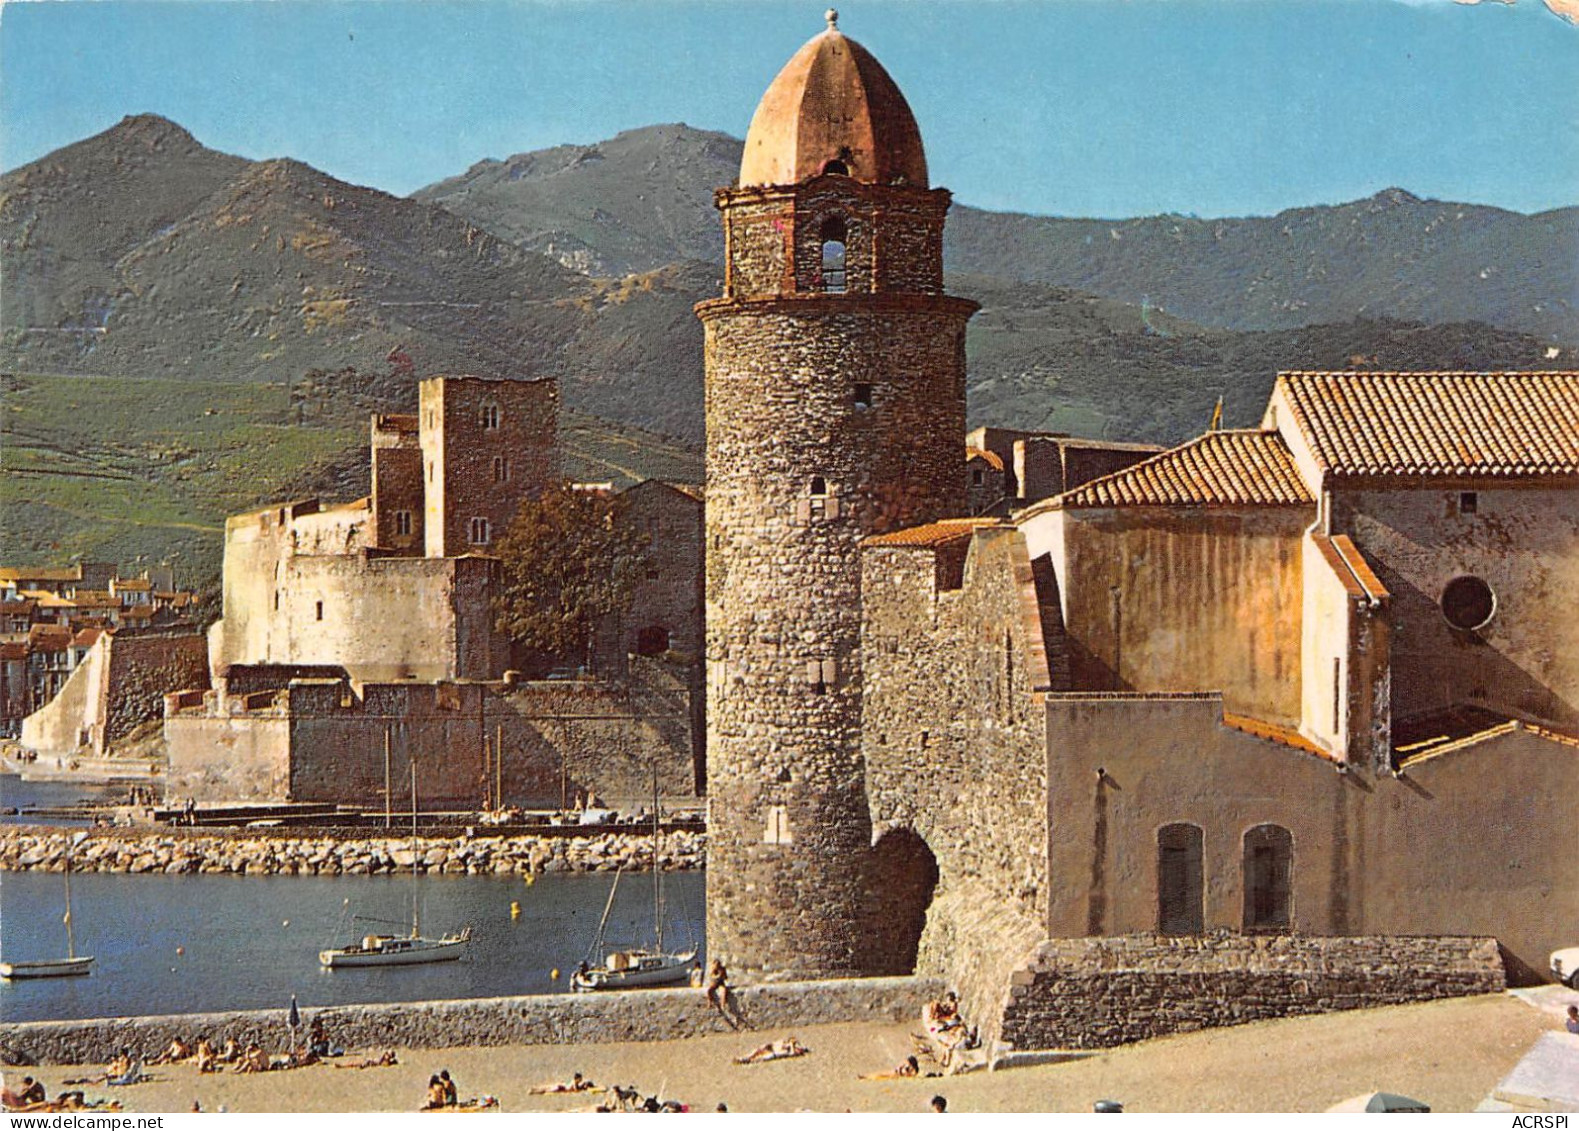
[(1101, 992), (637, 1015)]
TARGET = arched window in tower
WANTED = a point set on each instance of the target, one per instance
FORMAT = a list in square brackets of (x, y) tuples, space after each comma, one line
[(489, 416), (832, 237), (836, 168)]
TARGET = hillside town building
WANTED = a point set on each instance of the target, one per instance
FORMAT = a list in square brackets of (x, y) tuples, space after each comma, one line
[(1316, 679)]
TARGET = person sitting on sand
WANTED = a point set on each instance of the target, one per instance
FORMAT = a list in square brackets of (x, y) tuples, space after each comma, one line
[(911, 1067), (451, 1096), (204, 1057), (435, 1094), (10, 1100), (774, 1050), (230, 1052), (178, 1051), (253, 1060), (120, 1065)]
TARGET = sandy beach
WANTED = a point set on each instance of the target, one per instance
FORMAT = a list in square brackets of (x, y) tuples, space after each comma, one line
[(1450, 1054)]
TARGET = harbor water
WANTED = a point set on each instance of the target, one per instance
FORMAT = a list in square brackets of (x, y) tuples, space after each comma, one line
[(204, 943)]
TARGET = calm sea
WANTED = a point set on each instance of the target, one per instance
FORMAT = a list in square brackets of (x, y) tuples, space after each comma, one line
[(18, 794), (179, 944)]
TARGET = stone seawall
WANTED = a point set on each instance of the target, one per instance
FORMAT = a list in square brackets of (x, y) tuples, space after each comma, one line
[(1100, 992), (138, 851), (636, 1015)]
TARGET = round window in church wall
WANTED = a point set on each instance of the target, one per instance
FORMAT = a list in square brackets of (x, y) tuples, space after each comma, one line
[(1468, 603)]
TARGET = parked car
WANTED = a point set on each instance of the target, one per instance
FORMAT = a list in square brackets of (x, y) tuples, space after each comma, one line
[(1565, 966)]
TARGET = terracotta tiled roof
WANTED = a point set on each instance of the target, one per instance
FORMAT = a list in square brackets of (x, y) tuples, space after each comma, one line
[(994, 460), (87, 637), (132, 584), (1482, 424), (1343, 557), (932, 534), (1286, 736), (1229, 468), (13, 573)]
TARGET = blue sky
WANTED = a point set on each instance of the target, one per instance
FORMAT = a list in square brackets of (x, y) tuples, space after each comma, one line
[(1070, 107)]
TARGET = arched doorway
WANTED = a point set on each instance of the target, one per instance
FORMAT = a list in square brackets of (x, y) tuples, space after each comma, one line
[(901, 878), (1269, 878), (1179, 880)]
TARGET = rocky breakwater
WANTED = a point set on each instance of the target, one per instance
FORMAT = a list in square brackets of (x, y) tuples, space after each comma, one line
[(160, 851)]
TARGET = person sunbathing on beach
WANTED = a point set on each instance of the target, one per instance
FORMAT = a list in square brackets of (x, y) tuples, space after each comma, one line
[(253, 1060), (578, 1083), (230, 1053), (204, 1057), (911, 1067), (774, 1050), (383, 1061), (435, 1094)]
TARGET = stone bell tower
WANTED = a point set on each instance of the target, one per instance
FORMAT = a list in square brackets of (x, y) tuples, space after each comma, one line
[(835, 410)]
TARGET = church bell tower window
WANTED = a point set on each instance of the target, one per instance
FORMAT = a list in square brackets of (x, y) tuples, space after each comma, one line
[(832, 236)]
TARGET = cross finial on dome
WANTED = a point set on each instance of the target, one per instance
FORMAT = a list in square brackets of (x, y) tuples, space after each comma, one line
[(832, 16)]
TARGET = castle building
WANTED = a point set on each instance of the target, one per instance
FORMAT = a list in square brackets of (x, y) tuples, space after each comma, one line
[(833, 337), (1116, 741)]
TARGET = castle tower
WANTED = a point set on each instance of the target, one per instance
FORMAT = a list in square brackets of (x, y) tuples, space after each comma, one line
[(835, 410)]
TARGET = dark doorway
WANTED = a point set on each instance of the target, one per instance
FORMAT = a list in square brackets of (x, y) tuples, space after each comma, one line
[(1269, 876), (902, 876), (652, 640), (1179, 880)]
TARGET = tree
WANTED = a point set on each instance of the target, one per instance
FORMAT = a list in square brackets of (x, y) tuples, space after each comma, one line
[(570, 562)]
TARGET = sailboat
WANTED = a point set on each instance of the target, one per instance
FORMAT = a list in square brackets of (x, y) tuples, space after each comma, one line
[(401, 950), (636, 967), (55, 967)]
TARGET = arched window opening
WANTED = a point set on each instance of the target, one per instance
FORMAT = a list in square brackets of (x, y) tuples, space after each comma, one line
[(819, 486), (1180, 886), (833, 236), (1269, 878), (489, 416), (652, 640), (837, 168)]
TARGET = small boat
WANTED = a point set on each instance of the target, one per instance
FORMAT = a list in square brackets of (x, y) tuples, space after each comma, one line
[(401, 950), (395, 950), (636, 967), (69, 966)]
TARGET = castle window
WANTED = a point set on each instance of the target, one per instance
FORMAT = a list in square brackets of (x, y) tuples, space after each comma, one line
[(1179, 880), (821, 675), (430, 471), (1468, 603), (402, 522), (477, 532), (320, 610), (501, 469), (975, 477), (652, 640), (819, 486), (1269, 875), (276, 600), (832, 237), (863, 396), (490, 416), (836, 168), (778, 829), (1468, 502)]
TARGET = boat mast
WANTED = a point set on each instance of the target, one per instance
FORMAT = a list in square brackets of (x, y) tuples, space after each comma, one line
[(597, 942), (71, 938), (416, 913), (657, 881)]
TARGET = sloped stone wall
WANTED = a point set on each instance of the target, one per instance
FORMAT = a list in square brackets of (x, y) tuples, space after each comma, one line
[(1100, 992)]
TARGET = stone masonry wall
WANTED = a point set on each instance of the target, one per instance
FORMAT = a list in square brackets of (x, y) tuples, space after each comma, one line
[(143, 670), (1102, 992), (635, 1015), (799, 471)]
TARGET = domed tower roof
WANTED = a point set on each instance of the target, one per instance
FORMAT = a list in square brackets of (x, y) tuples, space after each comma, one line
[(833, 102)]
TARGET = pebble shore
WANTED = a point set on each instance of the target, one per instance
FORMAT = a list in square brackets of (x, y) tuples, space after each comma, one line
[(157, 851)]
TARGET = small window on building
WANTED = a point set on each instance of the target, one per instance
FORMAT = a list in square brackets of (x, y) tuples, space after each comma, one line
[(836, 168), (1468, 502), (477, 532), (652, 641), (975, 477), (320, 610), (403, 522), (490, 416), (778, 829), (501, 469), (832, 237), (1468, 603), (863, 395), (276, 600), (819, 486), (430, 471)]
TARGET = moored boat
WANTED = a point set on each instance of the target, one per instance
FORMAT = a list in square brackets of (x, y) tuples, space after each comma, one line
[(47, 968), (394, 950)]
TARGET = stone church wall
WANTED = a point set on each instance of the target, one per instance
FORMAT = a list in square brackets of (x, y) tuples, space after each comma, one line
[(1524, 542), (1098, 993), (955, 669)]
